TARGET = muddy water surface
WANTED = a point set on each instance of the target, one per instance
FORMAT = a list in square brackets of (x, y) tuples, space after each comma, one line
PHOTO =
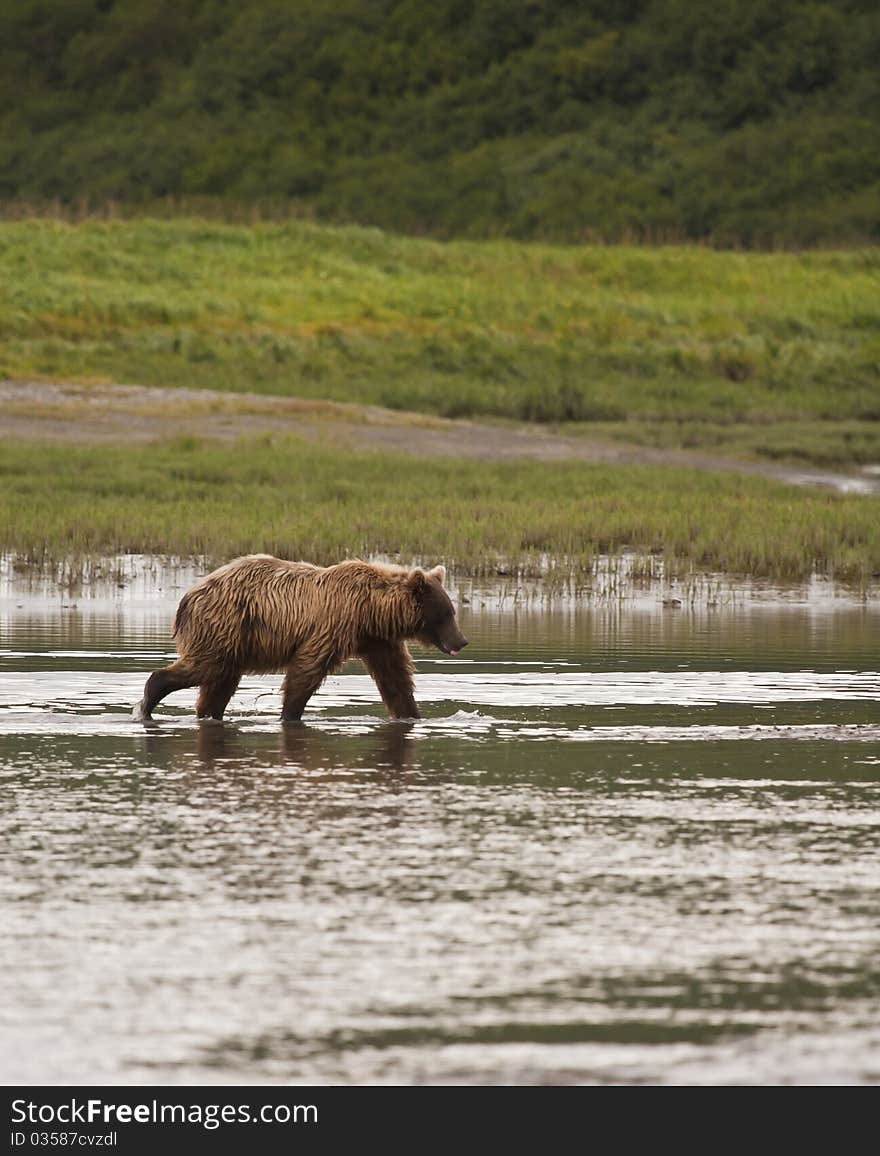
[(629, 842)]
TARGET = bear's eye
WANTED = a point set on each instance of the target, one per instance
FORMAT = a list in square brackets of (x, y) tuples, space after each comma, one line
[(436, 606)]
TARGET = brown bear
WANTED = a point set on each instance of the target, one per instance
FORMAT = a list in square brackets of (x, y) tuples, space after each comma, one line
[(260, 614)]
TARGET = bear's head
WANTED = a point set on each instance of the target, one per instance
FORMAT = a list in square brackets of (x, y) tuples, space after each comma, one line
[(436, 625)]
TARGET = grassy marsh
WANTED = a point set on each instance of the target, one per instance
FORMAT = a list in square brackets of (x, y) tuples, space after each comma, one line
[(773, 355), (295, 499)]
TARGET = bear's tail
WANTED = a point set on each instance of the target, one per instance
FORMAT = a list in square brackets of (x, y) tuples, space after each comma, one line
[(181, 618)]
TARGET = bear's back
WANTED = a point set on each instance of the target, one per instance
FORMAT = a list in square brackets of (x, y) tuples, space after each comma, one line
[(222, 611)]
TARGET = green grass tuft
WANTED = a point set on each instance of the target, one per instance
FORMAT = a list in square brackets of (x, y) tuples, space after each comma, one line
[(684, 344), (297, 500)]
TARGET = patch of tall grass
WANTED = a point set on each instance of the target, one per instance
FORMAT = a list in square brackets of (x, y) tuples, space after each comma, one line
[(827, 444), (297, 500), (685, 338)]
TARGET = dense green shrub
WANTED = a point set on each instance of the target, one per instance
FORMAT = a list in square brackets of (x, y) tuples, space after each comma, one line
[(735, 120)]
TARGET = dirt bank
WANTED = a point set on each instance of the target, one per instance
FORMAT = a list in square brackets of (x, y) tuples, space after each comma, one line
[(53, 411)]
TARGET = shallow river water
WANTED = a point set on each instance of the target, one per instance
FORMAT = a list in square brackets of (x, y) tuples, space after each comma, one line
[(630, 842)]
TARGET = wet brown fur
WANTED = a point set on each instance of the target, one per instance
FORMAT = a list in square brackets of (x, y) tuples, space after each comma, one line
[(261, 614)]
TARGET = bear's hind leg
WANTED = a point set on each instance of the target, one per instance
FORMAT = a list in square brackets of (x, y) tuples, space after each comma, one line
[(214, 696), (303, 678), (391, 665), (163, 682)]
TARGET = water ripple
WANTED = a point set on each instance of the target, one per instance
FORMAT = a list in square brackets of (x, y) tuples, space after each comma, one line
[(616, 849)]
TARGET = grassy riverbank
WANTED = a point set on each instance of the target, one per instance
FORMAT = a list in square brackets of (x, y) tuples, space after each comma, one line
[(772, 355), (298, 500)]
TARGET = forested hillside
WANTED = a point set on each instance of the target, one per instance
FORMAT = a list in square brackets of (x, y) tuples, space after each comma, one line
[(741, 121)]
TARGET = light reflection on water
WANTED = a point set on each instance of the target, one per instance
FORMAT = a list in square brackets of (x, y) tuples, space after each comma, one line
[(627, 843)]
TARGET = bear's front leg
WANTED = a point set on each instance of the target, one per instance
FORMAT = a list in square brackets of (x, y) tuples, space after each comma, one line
[(391, 666)]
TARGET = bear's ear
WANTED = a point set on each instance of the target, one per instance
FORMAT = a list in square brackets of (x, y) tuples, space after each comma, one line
[(439, 572), (415, 580)]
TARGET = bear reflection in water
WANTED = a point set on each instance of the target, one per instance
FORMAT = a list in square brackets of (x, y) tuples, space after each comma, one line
[(390, 747), (260, 615)]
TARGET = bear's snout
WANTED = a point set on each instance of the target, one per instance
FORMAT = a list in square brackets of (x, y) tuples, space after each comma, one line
[(454, 645)]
